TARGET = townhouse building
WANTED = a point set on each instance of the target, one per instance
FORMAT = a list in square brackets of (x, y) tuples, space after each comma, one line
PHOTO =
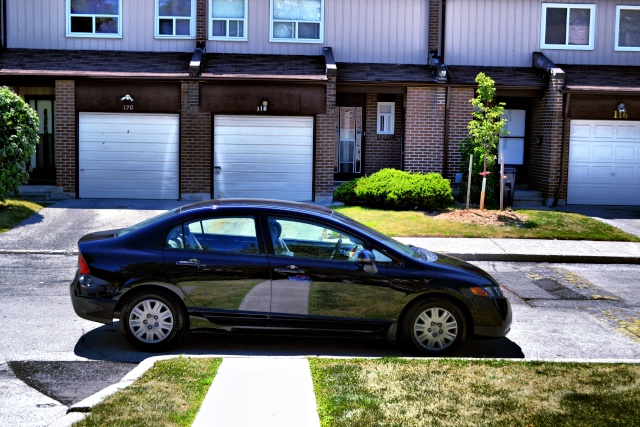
[(193, 99)]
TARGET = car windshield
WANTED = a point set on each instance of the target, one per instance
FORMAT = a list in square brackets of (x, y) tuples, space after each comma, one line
[(147, 222), (409, 250)]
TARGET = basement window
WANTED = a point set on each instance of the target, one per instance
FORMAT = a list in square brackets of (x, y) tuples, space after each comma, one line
[(386, 118)]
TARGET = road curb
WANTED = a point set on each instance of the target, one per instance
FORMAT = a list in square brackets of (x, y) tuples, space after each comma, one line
[(550, 258)]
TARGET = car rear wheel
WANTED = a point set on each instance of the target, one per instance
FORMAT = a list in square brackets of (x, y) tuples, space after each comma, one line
[(434, 327), (152, 321)]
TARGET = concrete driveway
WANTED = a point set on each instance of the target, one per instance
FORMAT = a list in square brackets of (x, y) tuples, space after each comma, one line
[(58, 227)]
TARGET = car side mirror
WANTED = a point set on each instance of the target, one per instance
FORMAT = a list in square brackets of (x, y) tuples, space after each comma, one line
[(368, 260)]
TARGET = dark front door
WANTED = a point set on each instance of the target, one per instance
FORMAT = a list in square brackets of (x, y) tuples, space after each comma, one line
[(349, 144), (43, 170)]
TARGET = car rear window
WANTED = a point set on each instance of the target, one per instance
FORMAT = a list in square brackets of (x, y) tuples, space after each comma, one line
[(147, 222)]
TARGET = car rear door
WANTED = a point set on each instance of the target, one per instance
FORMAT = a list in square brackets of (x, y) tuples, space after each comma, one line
[(317, 282), (218, 262)]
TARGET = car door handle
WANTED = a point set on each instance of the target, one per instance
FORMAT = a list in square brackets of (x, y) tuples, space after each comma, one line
[(289, 269), (191, 263)]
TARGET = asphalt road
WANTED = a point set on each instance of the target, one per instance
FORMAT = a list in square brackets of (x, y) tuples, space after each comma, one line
[(50, 358)]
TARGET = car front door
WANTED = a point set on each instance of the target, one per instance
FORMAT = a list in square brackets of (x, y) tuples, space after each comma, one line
[(317, 282), (218, 263)]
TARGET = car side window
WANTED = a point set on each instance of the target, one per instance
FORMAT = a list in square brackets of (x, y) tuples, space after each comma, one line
[(222, 234), (305, 239)]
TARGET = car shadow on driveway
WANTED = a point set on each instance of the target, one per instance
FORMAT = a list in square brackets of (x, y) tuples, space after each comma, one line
[(106, 343)]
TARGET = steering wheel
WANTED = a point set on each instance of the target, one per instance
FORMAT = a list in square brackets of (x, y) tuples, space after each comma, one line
[(336, 248)]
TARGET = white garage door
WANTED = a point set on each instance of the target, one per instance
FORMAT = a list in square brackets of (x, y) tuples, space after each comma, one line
[(604, 163), (129, 156), (263, 157)]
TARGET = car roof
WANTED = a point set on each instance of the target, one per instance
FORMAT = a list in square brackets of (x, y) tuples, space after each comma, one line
[(263, 204)]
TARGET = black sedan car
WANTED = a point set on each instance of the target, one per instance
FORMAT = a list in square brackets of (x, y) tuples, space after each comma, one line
[(257, 265)]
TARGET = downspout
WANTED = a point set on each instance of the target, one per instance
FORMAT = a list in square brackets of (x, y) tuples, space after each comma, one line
[(563, 167), (441, 51), (445, 164)]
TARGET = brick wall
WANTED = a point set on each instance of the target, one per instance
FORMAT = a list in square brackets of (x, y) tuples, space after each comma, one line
[(382, 151), (65, 134), (325, 138), (460, 111), (195, 145), (424, 132), (201, 21), (545, 157), (434, 25)]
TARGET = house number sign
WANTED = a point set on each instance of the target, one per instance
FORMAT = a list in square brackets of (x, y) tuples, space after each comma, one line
[(127, 107)]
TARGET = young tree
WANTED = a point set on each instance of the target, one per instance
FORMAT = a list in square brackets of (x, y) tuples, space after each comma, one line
[(18, 140), (484, 132)]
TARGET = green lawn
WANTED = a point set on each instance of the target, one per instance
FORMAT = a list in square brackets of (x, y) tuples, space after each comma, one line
[(169, 394), (13, 212), (407, 393), (430, 392), (540, 224)]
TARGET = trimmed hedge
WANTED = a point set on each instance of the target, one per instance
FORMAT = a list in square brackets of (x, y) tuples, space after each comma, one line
[(397, 190)]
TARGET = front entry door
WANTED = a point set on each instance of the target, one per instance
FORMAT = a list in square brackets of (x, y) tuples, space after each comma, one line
[(348, 156), (43, 161)]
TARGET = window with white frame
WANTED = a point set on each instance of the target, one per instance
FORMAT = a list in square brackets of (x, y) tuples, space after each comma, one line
[(297, 21), (176, 19), (228, 19), (94, 18), (567, 26), (628, 28), (386, 118)]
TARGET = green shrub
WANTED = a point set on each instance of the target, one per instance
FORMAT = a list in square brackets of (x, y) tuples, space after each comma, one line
[(400, 190), (346, 193), (18, 140)]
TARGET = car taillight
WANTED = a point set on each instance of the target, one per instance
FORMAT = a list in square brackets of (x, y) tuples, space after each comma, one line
[(83, 268)]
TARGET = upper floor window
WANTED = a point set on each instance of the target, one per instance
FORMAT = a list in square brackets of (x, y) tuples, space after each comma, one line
[(297, 21), (228, 19), (567, 26), (386, 118), (176, 18), (628, 28), (94, 18)]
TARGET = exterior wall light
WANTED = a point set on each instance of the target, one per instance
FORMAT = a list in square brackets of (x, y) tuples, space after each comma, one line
[(621, 112), (264, 105)]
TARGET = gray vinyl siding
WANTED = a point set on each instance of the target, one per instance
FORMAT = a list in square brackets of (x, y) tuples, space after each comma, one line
[(41, 24), (507, 32), (378, 31)]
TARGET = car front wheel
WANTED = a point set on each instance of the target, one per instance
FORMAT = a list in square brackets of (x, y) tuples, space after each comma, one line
[(152, 321), (434, 327)]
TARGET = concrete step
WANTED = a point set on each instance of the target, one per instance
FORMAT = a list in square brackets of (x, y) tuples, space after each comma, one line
[(41, 193), (527, 198)]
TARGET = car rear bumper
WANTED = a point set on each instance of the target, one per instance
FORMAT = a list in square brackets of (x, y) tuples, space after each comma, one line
[(91, 308)]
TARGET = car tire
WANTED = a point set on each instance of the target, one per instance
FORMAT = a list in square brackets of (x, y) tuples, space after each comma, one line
[(434, 327), (152, 321)]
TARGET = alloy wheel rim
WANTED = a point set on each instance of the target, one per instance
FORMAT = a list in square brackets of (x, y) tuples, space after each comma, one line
[(435, 329), (151, 321)]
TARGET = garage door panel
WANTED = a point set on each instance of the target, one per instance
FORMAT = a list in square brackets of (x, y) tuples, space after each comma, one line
[(268, 157), (604, 163), (628, 132), (123, 139), (128, 155)]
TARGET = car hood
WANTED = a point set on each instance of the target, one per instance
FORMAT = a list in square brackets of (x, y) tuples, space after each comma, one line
[(449, 262)]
